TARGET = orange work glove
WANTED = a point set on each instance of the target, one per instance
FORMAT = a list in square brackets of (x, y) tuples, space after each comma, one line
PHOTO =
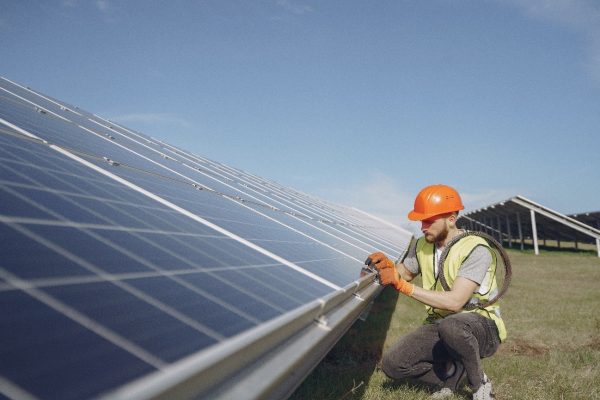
[(390, 276), (379, 261)]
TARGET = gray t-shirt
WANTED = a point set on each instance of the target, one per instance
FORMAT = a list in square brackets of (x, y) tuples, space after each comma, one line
[(474, 268)]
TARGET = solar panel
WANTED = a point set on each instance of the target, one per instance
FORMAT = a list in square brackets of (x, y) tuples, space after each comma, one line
[(124, 258)]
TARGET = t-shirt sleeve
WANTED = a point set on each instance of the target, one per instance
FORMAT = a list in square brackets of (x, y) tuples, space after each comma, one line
[(476, 265), (410, 262)]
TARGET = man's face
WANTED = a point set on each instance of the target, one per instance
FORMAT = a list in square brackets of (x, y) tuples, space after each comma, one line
[(435, 229)]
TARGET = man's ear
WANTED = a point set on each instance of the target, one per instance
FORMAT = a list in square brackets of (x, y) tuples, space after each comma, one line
[(452, 220)]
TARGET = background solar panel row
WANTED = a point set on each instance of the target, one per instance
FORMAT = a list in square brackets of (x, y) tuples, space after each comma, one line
[(112, 268)]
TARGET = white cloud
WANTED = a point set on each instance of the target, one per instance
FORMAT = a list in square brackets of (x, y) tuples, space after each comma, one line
[(104, 8), (581, 16), (103, 5), (69, 3), (382, 196), (152, 119), (107, 11), (294, 8)]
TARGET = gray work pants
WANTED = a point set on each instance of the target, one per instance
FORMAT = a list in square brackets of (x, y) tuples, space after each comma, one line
[(465, 338)]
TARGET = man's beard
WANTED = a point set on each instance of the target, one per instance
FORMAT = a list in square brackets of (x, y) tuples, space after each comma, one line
[(440, 237)]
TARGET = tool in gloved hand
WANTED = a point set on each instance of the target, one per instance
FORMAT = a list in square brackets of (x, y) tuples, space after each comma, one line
[(387, 273), (378, 261)]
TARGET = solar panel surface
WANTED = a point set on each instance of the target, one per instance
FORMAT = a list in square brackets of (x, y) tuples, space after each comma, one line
[(123, 255)]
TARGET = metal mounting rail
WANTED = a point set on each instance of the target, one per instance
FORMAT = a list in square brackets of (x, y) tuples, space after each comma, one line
[(267, 362)]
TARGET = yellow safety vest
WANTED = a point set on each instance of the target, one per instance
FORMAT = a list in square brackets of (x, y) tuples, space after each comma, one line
[(457, 254)]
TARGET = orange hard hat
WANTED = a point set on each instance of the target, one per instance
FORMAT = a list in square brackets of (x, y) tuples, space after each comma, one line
[(434, 200)]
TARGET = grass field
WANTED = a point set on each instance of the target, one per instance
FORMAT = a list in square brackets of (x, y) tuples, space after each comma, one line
[(552, 312)]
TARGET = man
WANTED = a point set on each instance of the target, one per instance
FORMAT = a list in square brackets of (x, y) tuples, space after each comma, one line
[(452, 340)]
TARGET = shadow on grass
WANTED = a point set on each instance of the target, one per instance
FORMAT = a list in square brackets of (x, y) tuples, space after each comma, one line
[(346, 370)]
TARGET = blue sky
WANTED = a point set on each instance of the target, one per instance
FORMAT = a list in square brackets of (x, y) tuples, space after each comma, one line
[(358, 102)]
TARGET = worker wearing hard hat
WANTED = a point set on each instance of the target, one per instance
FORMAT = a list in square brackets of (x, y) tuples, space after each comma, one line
[(451, 343)]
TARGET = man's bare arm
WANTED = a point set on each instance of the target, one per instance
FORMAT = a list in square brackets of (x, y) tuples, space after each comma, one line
[(405, 273), (453, 300)]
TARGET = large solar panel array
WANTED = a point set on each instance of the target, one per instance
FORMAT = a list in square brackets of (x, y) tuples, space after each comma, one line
[(124, 256)]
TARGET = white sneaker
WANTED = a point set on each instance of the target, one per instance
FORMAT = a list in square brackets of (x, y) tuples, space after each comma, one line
[(485, 390), (443, 393)]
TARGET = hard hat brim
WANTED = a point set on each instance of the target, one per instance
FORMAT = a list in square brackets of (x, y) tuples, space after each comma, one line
[(416, 216)]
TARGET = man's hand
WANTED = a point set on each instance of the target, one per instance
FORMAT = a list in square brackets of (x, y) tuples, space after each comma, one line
[(388, 274), (379, 261)]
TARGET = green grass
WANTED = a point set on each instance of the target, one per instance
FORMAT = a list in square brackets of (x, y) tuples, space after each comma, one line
[(552, 312)]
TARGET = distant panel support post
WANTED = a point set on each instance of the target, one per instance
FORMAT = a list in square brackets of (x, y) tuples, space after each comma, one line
[(499, 228), (598, 246), (508, 231), (520, 230), (534, 233)]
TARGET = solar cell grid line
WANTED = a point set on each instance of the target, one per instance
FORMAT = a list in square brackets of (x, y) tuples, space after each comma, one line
[(212, 167), (323, 228), (60, 215), (159, 189), (83, 320), (133, 180), (42, 282), (142, 261), (356, 225), (148, 248), (23, 101), (172, 169), (109, 125), (46, 105), (88, 210), (13, 392), (389, 234), (373, 240), (319, 214), (239, 179), (49, 355), (266, 305), (223, 168), (106, 136), (206, 169), (369, 222), (325, 232), (121, 130), (25, 91), (272, 237), (70, 136), (384, 232), (105, 198), (272, 188), (221, 186)]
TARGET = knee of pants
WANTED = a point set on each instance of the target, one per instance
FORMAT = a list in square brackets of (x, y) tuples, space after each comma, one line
[(451, 330), (394, 367)]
